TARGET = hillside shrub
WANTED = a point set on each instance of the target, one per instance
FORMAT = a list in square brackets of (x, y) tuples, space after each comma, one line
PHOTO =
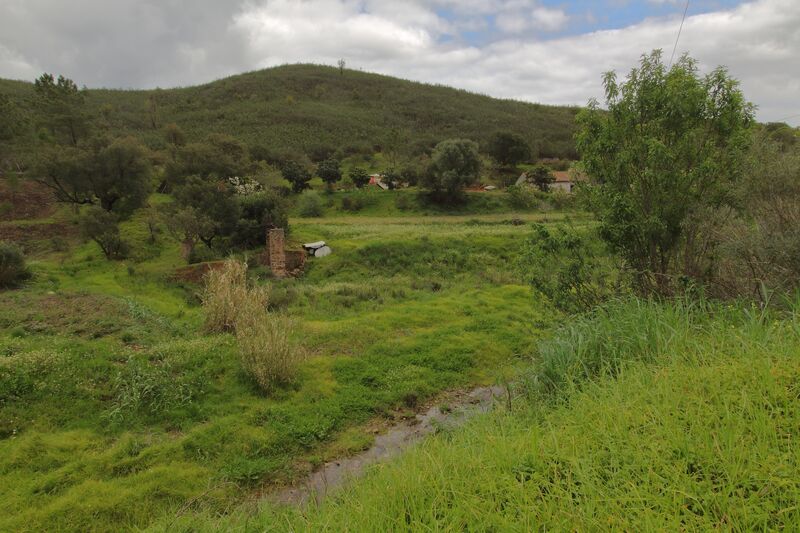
[(521, 197), (310, 205), (103, 228), (13, 269)]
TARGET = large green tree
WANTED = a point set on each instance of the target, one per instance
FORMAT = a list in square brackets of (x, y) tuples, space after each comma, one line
[(114, 174), (330, 171), (455, 164), (665, 153), (508, 149), (297, 175)]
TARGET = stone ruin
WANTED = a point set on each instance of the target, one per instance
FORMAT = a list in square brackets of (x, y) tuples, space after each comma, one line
[(281, 261)]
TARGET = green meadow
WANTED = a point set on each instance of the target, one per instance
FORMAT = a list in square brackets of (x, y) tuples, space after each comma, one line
[(118, 409)]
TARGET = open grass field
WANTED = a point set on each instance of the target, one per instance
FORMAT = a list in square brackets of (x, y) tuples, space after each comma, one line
[(676, 417), (117, 409)]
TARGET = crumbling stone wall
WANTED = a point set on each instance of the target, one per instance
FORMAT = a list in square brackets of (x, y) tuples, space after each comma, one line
[(276, 247)]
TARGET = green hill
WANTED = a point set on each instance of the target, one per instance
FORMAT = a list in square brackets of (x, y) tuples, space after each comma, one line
[(312, 108)]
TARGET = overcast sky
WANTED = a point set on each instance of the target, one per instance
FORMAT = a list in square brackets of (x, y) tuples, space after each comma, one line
[(545, 51)]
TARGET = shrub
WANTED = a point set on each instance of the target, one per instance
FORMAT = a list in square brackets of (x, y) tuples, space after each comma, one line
[(353, 203), (403, 202), (259, 212), (310, 205), (568, 269), (13, 269), (521, 197), (102, 227)]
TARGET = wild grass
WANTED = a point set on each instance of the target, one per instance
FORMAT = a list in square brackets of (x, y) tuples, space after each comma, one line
[(227, 295), (685, 420)]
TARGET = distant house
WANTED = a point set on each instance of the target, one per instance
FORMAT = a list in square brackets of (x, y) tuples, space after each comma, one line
[(377, 180), (564, 181)]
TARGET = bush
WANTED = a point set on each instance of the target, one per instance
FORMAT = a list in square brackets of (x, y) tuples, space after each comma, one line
[(567, 268), (403, 202), (521, 197), (13, 269), (353, 203), (102, 227), (259, 212), (310, 205)]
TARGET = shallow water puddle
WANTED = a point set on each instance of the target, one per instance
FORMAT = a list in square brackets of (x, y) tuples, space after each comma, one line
[(335, 473)]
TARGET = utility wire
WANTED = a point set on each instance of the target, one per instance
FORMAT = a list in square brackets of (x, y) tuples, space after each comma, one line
[(679, 34)]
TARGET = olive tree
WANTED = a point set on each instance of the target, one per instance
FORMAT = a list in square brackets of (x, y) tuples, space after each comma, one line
[(114, 174), (508, 149), (665, 153), (330, 172), (455, 163)]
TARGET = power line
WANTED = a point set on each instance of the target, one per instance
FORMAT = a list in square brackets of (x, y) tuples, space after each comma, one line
[(679, 34)]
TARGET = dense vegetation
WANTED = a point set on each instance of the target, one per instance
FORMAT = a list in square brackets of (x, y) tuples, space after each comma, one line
[(657, 417), (137, 391), (316, 110)]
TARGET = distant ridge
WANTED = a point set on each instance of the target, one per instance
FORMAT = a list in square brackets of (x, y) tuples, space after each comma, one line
[(300, 107)]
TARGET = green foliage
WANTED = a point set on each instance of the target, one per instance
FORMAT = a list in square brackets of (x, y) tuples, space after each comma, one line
[(567, 267), (258, 213), (148, 388), (207, 208), (541, 176), (759, 243), (309, 204), (689, 406), (62, 107), (114, 174), (359, 177), (354, 113), (508, 149), (219, 156), (669, 149), (455, 164), (521, 197), (13, 269), (297, 175), (174, 135), (330, 172), (103, 228)]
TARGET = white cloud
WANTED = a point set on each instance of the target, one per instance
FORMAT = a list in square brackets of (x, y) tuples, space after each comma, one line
[(144, 43)]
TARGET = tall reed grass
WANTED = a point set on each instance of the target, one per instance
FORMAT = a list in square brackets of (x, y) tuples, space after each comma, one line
[(266, 349)]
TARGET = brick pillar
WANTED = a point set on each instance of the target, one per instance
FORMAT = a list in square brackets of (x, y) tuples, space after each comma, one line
[(277, 252)]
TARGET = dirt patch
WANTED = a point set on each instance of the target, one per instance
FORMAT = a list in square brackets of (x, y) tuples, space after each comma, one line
[(29, 200), (334, 474), (26, 234), (195, 273), (82, 315)]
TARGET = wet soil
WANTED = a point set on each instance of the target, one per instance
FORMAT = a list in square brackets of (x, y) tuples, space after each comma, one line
[(334, 474)]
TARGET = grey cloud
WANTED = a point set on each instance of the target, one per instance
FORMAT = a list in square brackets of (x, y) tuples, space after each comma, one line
[(147, 43)]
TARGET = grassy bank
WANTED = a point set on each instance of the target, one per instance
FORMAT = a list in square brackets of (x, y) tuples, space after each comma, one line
[(116, 408), (653, 417)]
